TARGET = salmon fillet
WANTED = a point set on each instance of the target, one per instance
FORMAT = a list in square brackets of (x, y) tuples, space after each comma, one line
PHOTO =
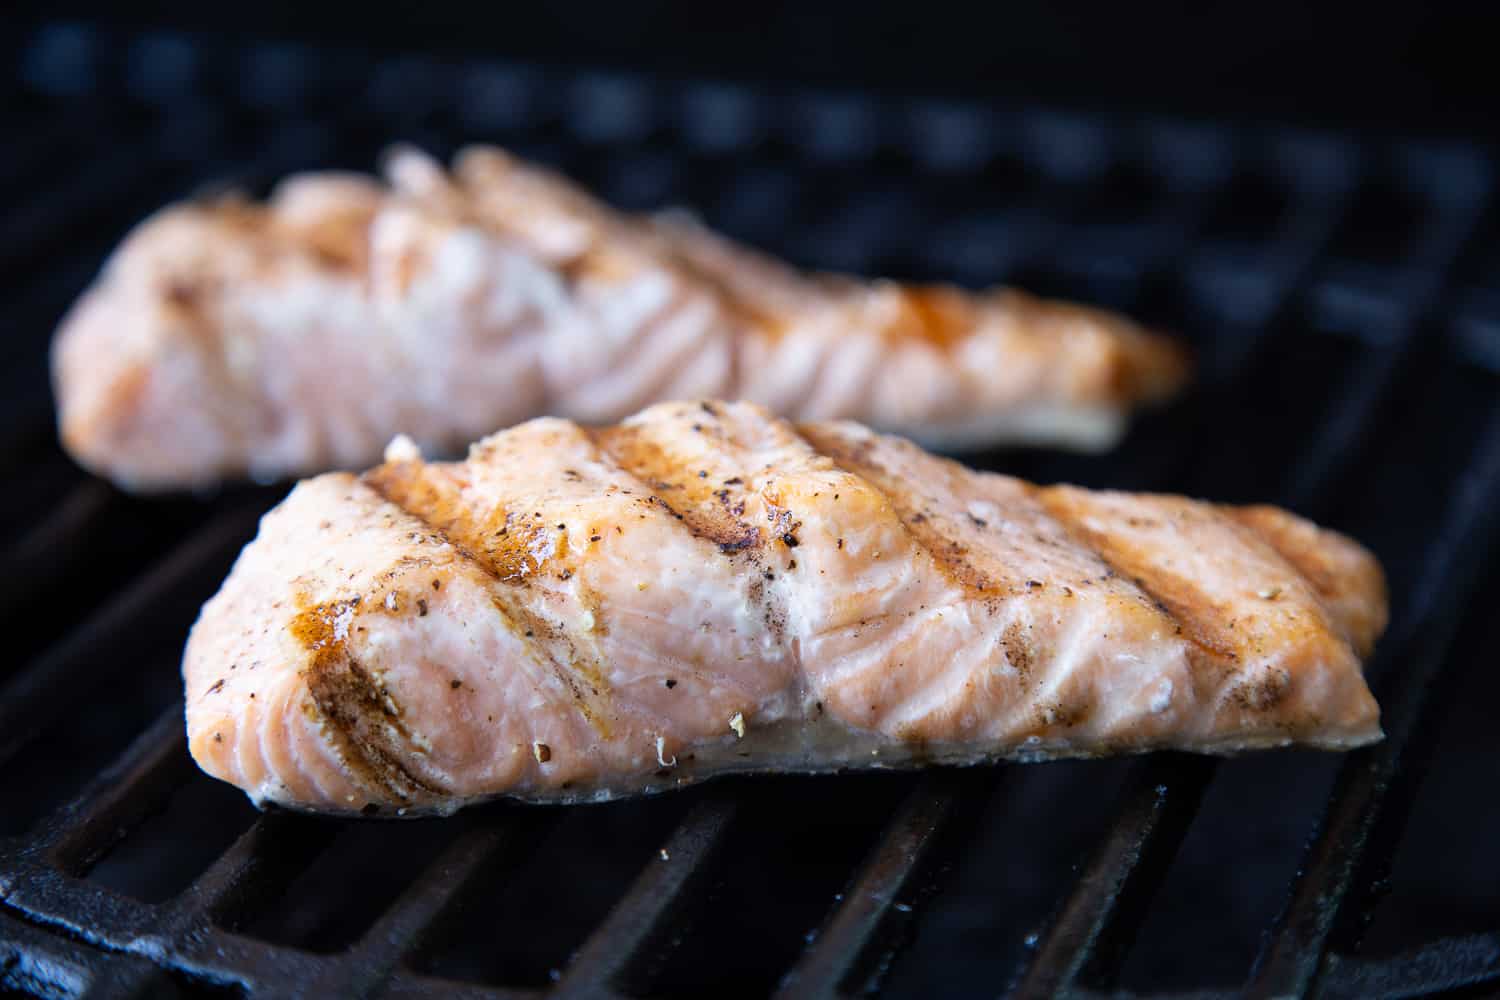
[(227, 338), (575, 614)]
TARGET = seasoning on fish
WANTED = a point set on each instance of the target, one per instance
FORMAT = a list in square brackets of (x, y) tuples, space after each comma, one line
[(577, 614)]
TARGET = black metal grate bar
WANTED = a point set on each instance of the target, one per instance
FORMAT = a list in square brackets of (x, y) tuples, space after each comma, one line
[(127, 977), (884, 883), (42, 557), (1298, 948), (42, 964), (642, 915), (1093, 929), (1418, 286), (402, 928), (255, 869), (119, 797), (1320, 201), (1450, 964), (35, 696)]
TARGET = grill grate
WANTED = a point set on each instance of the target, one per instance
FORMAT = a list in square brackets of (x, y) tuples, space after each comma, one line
[(1328, 283)]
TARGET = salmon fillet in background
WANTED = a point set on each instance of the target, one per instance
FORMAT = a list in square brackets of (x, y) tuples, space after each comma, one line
[(227, 339), (576, 614)]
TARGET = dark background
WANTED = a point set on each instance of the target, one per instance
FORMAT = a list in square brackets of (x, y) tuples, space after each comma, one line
[(1376, 371), (1410, 67)]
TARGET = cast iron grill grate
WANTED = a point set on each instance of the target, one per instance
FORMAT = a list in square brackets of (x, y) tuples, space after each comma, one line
[(1344, 301)]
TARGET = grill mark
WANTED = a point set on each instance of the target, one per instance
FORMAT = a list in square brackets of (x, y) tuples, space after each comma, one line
[(1019, 647), (856, 462), (354, 705), (938, 315), (623, 235), (439, 510), (708, 510), (1333, 589), (1205, 647), (356, 708), (947, 553), (192, 302), (506, 549), (1209, 655), (742, 544), (331, 249), (339, 240), (1316, 575), (404, 485)]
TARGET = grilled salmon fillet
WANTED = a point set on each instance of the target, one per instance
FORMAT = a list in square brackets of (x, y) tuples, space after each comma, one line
[(228, 338), (575, 614)]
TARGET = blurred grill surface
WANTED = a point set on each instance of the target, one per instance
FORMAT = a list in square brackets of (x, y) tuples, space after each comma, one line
[(1344, 298)]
